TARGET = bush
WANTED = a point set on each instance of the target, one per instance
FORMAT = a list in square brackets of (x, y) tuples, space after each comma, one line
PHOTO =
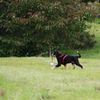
[(83, 41)]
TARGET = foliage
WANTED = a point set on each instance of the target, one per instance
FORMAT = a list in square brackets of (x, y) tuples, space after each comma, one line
[(35, 26), (86, 1)]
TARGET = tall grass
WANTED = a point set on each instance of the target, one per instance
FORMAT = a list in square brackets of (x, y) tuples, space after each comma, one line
[(32, 78)]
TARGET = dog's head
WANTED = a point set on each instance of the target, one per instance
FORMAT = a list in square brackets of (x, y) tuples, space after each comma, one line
[(56, 53)]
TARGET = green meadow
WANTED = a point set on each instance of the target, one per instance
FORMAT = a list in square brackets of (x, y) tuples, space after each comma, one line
[(31, 78)]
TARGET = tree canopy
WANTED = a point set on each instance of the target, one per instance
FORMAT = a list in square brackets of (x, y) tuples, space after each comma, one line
[(30, 27)]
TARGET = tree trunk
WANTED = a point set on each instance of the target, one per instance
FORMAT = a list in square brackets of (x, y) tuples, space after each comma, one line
[(49, 51)]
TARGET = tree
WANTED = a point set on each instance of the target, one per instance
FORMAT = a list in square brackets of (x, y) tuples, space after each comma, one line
[(35, 26)]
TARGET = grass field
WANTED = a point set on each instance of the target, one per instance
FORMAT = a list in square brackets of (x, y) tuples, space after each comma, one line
[(32, 78)]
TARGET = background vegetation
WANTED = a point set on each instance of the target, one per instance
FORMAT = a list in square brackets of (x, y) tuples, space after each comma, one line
[(33, 27)]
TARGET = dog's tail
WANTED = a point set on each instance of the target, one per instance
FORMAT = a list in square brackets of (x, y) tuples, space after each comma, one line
[(79, 55)]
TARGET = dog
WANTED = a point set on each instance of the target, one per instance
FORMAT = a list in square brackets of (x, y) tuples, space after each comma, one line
[(63, 59)]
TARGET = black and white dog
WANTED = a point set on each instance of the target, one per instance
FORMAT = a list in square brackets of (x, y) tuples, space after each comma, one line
[(65, 59)]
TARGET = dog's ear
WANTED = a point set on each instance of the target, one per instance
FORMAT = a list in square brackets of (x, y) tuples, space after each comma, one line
[(56, 52)]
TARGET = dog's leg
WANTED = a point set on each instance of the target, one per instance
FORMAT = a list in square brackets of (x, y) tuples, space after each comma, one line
[(73, 66), (58, 65), (65, 66), (79, 65)]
